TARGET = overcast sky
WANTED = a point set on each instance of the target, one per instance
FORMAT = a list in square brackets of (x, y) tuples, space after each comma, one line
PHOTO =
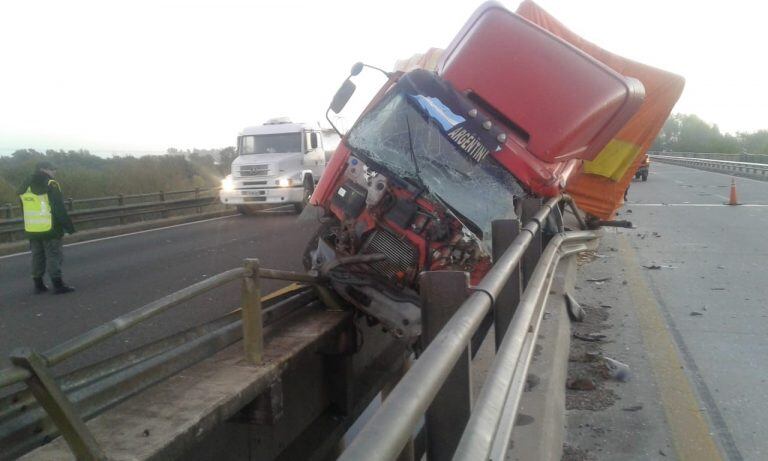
[(148, 75)]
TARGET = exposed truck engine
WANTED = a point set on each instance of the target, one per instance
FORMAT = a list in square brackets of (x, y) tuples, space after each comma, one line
[(415, 184)]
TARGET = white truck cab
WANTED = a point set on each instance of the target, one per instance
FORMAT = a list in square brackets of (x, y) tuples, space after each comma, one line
[(278, 163)]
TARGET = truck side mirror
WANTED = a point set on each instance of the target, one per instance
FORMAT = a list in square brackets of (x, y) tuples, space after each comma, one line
[(356, 68), (313, 140), (341, 98)]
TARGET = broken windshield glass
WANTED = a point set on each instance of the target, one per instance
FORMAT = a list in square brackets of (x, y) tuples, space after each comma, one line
[(481, 191)]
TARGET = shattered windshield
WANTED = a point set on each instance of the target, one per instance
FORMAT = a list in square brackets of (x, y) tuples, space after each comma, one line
[(403, 137)]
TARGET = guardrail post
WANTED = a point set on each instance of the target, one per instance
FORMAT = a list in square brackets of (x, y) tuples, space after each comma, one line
[(503, 233), (70, 204), (8, 211), (163, 214), (442, 292), (57, 406), (531, 206), (121, 202), (253, 339), (197, 196)]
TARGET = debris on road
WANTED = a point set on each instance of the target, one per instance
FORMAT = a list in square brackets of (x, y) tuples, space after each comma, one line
[(581, 384), (575, 311), (696, 313), (615, 369), (717, 289), (600, 280), (653, 267), (589, 337), (637, 407)]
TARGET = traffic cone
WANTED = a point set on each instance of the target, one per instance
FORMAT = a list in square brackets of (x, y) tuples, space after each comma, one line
[(733, 200)]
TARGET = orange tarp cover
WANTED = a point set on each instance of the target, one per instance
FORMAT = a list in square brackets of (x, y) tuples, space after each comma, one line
[(599, 186)]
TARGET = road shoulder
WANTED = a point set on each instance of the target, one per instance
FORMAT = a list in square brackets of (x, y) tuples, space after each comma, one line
[(653, 415)]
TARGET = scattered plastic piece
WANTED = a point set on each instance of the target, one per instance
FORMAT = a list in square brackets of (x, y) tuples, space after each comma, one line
[(616, 370)]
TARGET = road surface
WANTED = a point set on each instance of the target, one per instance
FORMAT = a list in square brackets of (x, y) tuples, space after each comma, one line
[(116, 275), (704, 266)]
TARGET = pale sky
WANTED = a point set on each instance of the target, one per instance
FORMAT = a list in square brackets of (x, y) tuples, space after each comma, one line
[(148, 75)]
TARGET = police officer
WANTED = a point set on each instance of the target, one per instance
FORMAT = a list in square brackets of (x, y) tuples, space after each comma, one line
[(45, 221)]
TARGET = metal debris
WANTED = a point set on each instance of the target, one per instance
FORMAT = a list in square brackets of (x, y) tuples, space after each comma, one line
[(575, 311), (600, 280), (589, 337), (637, 407)]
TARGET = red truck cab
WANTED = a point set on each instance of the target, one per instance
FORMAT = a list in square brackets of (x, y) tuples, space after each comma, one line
[(437, 156)]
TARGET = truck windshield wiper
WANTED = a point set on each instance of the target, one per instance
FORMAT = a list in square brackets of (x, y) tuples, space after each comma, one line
[(413, 152)]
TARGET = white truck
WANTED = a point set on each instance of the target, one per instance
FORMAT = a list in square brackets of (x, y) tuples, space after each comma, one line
[(278, 163)]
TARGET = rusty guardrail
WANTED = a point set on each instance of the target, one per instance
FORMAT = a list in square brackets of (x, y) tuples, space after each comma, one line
[(47, 406)]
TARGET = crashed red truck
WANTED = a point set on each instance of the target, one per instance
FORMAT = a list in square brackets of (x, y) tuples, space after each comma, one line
[(510, 112)]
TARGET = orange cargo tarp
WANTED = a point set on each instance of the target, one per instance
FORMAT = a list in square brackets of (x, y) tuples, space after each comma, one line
[(599, 186)]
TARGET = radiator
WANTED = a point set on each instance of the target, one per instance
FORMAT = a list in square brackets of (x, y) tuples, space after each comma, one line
[(401, 255)]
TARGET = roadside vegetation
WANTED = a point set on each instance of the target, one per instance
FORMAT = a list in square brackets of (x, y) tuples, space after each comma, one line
[(689, 133), (84, 175)]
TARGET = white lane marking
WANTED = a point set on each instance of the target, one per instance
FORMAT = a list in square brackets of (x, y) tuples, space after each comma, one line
[(753, 205), (126, 235)]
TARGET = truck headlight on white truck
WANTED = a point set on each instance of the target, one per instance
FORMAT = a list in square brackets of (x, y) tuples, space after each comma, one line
[(227, 184), (285, 182)]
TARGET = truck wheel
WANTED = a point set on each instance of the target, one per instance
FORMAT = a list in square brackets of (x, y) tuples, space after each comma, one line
[(645, 175), (309, 187), (246, 210)]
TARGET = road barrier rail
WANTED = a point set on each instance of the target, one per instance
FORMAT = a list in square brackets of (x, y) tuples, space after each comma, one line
[(752, 170), (455, 319), (125, 208)]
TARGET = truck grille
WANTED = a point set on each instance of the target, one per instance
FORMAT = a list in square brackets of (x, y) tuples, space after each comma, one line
[(254, 170), (401, 255)]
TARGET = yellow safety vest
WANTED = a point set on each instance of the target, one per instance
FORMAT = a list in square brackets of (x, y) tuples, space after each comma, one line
[(37, 211)]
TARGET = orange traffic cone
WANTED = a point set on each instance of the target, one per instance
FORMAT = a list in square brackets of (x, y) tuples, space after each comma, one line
[(733, 200)]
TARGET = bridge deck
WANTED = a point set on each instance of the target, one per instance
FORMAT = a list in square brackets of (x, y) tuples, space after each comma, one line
[(161, 421)]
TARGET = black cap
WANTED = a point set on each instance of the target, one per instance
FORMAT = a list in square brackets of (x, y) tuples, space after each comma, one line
[(44, 165)]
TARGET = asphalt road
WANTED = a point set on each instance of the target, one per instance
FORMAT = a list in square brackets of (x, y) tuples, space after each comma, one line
[(711, 289), (116, 275)]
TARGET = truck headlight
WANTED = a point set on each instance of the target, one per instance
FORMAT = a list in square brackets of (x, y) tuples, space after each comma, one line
[(284, 182), (227, 184)]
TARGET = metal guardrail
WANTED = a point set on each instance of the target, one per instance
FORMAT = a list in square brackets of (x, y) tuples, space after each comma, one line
[(742, 157), (11, 210), (46, 406), (437, 384), (488, 429), (14, 226), (757, 170)]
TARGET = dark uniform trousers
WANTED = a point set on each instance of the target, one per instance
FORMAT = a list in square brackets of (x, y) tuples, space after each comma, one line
[(46, 256)]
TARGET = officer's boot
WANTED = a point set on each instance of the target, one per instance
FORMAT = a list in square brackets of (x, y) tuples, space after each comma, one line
[(59, 287), (39, 285)]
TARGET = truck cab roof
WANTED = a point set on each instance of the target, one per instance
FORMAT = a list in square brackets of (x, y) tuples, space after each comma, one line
[(276, 128)]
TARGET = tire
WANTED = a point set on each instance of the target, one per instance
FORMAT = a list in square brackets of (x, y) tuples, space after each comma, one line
[(309, 187), (246, 210), (645, 175)]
